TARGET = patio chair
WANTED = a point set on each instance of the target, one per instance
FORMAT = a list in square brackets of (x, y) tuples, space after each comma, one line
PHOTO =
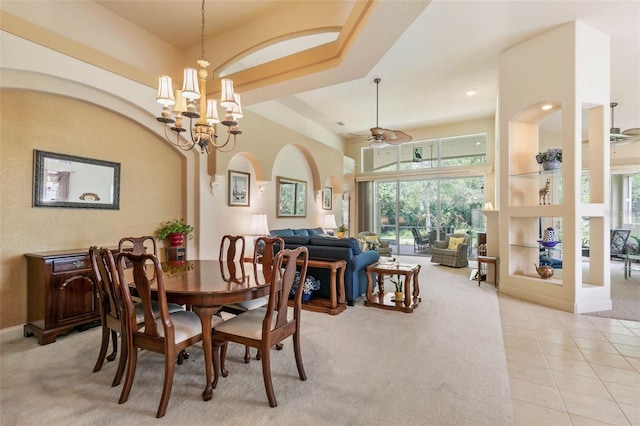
[(421, 242)]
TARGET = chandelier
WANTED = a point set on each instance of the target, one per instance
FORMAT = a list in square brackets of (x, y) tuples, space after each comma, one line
[(191, 102)]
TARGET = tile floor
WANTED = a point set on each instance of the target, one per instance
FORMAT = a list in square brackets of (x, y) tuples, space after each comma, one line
[(567, 369)]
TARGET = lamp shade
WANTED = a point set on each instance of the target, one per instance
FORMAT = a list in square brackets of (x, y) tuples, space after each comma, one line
[(165, 91), (488, 206), (259, 225), (190, 89), (330, 221), (212, 111), (227, 100), (236, 110), (181, 103)]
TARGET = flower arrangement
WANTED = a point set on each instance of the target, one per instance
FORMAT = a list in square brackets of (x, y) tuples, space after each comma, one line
[(174, 227), (553, 154), (310, 284)]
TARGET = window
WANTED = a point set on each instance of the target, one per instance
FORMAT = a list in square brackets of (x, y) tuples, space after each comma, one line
[(426, 154), (632, 198)]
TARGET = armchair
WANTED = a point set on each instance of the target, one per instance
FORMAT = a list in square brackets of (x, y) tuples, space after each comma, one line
[(452, 251), (370, 241), (420, 242)]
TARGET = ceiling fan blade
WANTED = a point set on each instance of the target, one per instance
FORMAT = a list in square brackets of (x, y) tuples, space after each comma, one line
[(397, 137), (632, 132)]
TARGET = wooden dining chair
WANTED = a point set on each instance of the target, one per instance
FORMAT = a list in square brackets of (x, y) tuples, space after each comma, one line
[(263, 257), (110, 313), (112, 310), (169, 334), (139, 245), (232, 248), (263, 328)]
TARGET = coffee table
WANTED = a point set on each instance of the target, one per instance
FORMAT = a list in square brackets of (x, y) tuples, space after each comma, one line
[(386, 300)]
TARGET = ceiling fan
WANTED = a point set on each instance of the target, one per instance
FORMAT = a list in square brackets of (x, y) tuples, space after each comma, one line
[(382, 137), (622, 138)]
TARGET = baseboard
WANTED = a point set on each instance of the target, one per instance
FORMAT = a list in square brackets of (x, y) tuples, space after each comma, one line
[(11, 334)]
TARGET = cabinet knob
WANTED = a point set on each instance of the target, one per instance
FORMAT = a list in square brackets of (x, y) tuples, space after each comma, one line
[(78, 264)]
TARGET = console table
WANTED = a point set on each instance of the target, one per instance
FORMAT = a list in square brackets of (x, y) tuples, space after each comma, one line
[(336, 303), (386, 300), (61, 293)]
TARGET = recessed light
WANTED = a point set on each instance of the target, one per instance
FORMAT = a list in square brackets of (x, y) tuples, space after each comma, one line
[(547, 107), (470, 92)]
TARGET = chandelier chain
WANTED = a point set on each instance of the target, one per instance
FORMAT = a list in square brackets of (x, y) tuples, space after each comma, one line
[(202, 33)]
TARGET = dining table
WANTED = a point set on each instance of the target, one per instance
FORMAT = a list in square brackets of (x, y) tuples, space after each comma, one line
[(204, 286)]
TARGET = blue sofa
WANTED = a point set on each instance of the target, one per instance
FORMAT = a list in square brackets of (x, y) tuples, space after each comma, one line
[(322, 247)]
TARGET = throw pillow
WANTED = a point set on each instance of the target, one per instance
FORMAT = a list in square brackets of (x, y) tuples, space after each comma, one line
[(454, 242), (371, 242)]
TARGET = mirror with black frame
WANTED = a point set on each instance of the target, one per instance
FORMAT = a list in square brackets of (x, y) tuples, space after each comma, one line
[(61, 180), (291, 197)]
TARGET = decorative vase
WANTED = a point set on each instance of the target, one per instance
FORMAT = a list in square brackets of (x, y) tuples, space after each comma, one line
[(550, 165), (399, 296), (176, 239), (340, 234), (549, 236), (545, 271), (306, 297)]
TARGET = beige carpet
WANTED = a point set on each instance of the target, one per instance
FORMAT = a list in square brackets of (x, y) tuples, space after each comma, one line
[(442, 365)]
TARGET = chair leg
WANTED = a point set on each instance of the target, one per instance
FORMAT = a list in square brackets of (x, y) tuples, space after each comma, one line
[(114, 339), (103, 349), (216, 350), (132, 361), (266, 375), (223, 359), (247, 355), (298, 354), (169, 365), (121, 365)]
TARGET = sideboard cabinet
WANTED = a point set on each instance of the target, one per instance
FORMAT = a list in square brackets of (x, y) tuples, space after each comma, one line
[(61, 294)]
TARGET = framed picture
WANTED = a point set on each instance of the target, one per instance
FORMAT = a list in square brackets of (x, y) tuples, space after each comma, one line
[(239, 188), (61, 180), (417, 154), (291, 197), (327, 198)]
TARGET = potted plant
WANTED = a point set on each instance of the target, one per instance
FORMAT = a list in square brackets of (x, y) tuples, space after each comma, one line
[(175, 231), (310, 285), (550, 159), (340, 231), (399, 293)]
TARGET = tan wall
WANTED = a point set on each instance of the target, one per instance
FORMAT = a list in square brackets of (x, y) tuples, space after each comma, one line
[(152, 182)]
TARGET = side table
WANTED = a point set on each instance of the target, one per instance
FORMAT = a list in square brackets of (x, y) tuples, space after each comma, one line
[(627, 264), (488, 260), (386, 300), (336, 303)]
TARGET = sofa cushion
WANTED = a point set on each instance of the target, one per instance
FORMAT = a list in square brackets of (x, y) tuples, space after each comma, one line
[(281, 232), (301, 231), (296, 240), (455, 242), (315, 231), (351, 243)]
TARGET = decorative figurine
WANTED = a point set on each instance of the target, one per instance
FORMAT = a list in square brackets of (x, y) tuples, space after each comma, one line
[(545, 193)]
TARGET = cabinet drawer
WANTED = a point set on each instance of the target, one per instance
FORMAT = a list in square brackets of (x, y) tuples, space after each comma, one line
[(71, 264)]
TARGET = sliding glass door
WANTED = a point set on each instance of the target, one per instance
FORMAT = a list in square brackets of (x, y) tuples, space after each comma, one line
[(432, 207)]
